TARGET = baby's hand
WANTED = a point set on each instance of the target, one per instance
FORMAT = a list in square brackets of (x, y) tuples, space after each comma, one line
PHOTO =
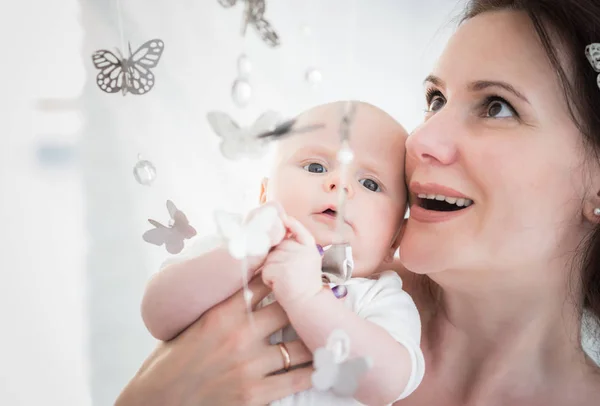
[(276, 230), (293, 268)]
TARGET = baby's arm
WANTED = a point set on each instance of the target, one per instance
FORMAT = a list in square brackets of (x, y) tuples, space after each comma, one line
[(315, 318), (180, 293), (315, 313)]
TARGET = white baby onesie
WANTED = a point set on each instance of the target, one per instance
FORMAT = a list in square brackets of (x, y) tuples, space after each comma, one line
[(381, 301)]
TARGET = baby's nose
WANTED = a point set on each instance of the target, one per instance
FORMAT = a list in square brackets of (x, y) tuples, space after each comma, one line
[(333, 185)]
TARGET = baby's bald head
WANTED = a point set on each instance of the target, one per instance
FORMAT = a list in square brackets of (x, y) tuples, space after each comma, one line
[(368, 121)]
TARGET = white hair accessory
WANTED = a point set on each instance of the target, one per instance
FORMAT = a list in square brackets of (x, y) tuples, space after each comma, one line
[(592, 52)]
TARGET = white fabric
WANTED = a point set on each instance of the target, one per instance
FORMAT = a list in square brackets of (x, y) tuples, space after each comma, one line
[(381, 301)]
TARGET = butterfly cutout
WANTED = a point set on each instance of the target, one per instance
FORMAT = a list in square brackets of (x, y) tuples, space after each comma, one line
[(592, 52), (238, 142), (254, 15), (128, 75), (250, 237), (173, 235), (242, 142), (287, 128), (333, 370), (338, 263)]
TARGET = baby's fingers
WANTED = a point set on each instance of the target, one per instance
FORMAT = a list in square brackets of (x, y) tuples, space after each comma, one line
[(300, 233)]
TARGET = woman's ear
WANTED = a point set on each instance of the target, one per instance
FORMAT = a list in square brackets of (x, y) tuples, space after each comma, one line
[(262, 197), (591, 208)]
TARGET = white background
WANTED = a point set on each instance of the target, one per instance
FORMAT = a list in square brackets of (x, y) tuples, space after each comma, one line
[(74, 264)]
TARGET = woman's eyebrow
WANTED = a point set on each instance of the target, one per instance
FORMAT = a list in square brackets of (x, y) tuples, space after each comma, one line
[(484, 84), (435, 80), (480, 85)]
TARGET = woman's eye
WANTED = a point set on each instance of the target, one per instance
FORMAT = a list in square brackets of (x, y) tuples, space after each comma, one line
[(315, 168), (499, 108), (370, 184), (435, 100), (436, 104)]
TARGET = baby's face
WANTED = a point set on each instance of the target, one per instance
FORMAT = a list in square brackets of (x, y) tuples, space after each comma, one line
[(306, 181)]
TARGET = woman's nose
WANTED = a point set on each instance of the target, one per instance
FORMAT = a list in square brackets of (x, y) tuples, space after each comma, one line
[(433, 142), (333, 183)]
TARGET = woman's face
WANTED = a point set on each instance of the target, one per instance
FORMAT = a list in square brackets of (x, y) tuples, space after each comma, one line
[(497, 133)]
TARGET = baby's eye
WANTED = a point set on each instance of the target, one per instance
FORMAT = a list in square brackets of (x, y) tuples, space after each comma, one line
[(370, 184), (315, 168)]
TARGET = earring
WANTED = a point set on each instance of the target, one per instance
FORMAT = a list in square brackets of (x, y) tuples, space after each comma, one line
[(597, 211)]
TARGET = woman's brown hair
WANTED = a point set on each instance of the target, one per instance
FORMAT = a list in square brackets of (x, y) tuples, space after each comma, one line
[(568, 26)]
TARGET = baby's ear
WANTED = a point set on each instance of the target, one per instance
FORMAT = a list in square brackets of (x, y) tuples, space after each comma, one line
[(262, 197)]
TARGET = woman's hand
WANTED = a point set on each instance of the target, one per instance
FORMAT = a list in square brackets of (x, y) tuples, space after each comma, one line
[(224, 358)]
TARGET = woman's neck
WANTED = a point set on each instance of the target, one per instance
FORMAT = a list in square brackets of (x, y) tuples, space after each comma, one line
[(491, 336)]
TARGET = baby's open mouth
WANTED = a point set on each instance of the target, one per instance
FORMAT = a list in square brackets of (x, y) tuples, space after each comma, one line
[(329, 212), (442, 203)]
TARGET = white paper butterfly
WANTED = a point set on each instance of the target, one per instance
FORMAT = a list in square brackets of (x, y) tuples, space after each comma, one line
[(128, 75), (242, 142), (173, 235), (333, 370), (338, 262), (592, 52), (247, 238)]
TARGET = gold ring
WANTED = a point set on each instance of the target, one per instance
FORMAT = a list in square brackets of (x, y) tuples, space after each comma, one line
[(287, 361)]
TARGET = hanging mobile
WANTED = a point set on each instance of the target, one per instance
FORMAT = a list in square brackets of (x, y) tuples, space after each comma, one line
[(334, 369), (173, 235), (338, 263), (250, 142), (144, 171), (254, 15), (239, 142), (241, 90), (287, 128), (128, 75), (312, 75)]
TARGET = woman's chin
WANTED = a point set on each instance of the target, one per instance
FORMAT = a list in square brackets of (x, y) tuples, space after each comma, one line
[(422, 258)]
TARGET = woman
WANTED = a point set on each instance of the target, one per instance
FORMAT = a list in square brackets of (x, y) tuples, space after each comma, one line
[(513, 124)]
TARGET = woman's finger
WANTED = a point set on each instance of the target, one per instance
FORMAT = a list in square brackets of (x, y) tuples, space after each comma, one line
[(257, 289), (271, 360), (302, 235), (270, 318), (274, 361), (282, 385)]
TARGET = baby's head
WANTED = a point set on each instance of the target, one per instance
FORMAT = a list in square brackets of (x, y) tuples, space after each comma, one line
[(306, 175)]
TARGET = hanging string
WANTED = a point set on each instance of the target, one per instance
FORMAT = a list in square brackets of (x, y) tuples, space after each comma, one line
[(120, 24), (345, 157), (247, 293), (144, 165), (313, 73), (345, 154)]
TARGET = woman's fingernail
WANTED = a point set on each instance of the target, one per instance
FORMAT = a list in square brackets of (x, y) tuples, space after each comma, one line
[(320, 248), (340, 291)]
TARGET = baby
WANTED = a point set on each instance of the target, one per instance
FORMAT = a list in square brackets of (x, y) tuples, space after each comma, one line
[(380, 319)]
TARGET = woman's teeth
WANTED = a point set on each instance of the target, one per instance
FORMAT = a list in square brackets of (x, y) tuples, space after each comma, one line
[(460, 202)]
